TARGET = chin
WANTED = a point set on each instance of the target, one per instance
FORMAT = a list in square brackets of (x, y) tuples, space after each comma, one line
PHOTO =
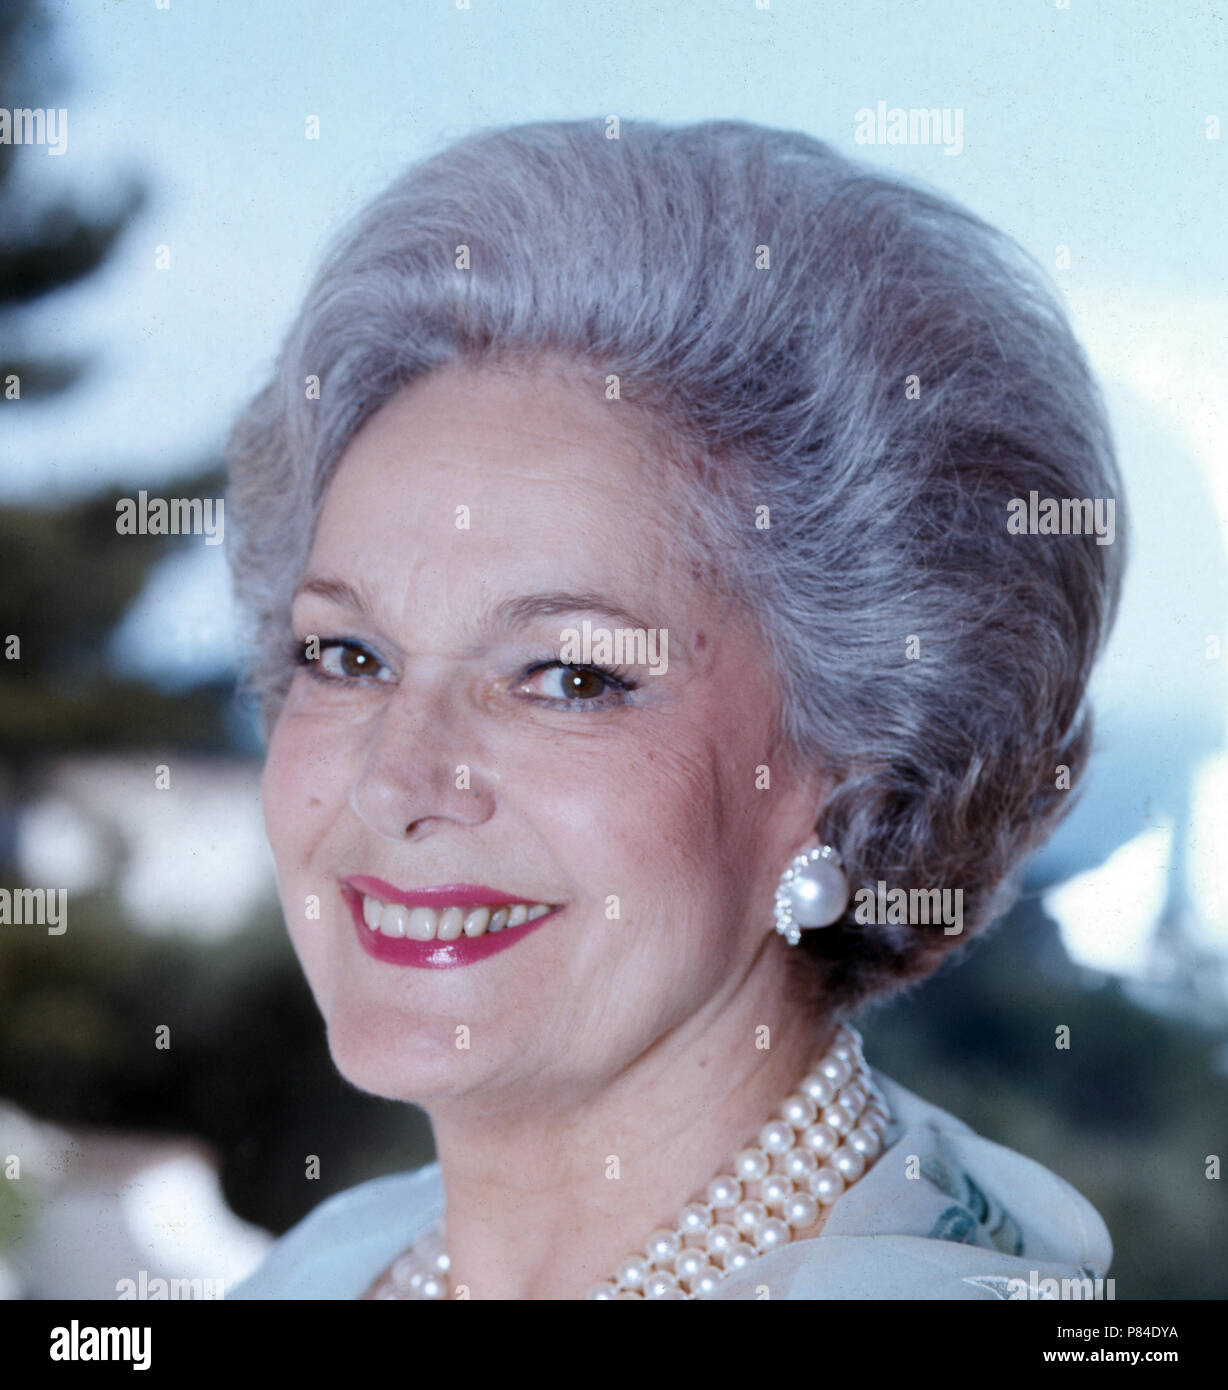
[(400, 1062)]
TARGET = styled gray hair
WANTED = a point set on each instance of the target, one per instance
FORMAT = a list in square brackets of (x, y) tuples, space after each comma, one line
[(877, 367)]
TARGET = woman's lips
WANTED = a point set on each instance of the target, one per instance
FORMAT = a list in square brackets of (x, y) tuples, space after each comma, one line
[(474, 918), (442, 895)]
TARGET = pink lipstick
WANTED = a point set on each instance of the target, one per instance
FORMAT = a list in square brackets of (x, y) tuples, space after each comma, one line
[(438, 954)]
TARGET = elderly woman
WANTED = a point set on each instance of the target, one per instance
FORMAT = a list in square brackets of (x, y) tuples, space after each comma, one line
[(656, 668)]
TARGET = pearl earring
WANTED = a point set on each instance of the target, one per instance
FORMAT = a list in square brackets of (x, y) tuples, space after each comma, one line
[(813, 892)]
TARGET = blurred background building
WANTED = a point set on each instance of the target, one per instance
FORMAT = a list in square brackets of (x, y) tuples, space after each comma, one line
[(146, 274)]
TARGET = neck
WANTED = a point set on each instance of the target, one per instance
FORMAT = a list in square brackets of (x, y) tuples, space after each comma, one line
[(547, 1193)]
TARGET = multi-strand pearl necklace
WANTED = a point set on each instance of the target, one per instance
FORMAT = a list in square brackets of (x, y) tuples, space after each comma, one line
[(829, 1132)]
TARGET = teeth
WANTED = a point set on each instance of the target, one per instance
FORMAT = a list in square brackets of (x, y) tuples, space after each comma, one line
[(423, 923), (393, 919), (430, 924), (451, 920)]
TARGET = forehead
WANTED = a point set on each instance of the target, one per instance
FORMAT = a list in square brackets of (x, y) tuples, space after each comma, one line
[(506, 443), (511, 481)]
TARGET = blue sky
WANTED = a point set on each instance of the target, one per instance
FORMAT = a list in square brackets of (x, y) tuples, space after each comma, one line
[(1083, 127)]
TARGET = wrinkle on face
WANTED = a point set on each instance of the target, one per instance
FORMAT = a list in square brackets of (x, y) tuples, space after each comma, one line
[(651, 803)]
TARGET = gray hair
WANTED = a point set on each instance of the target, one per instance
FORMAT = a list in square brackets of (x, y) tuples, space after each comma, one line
[(877, 367)]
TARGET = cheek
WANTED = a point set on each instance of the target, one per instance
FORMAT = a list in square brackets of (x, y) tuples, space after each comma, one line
[(644, 819), (687, 831), (299, 789), (687, 789)]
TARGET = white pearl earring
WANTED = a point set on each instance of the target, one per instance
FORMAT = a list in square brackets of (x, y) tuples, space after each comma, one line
[(813, 892)]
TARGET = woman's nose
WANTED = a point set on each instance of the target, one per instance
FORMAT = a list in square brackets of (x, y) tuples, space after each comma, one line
[(419, 767)]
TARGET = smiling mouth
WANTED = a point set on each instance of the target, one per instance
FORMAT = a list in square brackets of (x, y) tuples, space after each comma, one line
[(446, 923), (441, 927)]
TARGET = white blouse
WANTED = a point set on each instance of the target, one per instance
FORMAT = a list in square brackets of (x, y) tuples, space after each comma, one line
[(941, 1214)]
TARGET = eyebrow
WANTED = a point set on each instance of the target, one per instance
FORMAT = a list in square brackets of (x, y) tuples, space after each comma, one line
[(339, 592), (512, 612), (516, 612)]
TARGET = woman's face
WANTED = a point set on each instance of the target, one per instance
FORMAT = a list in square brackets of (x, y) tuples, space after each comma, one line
[(473, 520)]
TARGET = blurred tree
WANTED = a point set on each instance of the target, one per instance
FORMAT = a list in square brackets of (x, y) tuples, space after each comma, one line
[(68, 577), (45, 245)]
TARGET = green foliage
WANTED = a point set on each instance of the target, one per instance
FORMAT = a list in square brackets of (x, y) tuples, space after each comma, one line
[(69, 579), (47, 246)]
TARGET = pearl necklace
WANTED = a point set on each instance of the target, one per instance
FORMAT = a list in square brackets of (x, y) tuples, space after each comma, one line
[(829, 1132)]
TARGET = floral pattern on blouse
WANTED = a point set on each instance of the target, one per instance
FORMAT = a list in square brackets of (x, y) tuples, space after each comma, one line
[(977, 1218)]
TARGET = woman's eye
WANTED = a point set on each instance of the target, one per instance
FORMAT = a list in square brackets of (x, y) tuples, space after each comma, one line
[(576, 684), (343, 661)]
